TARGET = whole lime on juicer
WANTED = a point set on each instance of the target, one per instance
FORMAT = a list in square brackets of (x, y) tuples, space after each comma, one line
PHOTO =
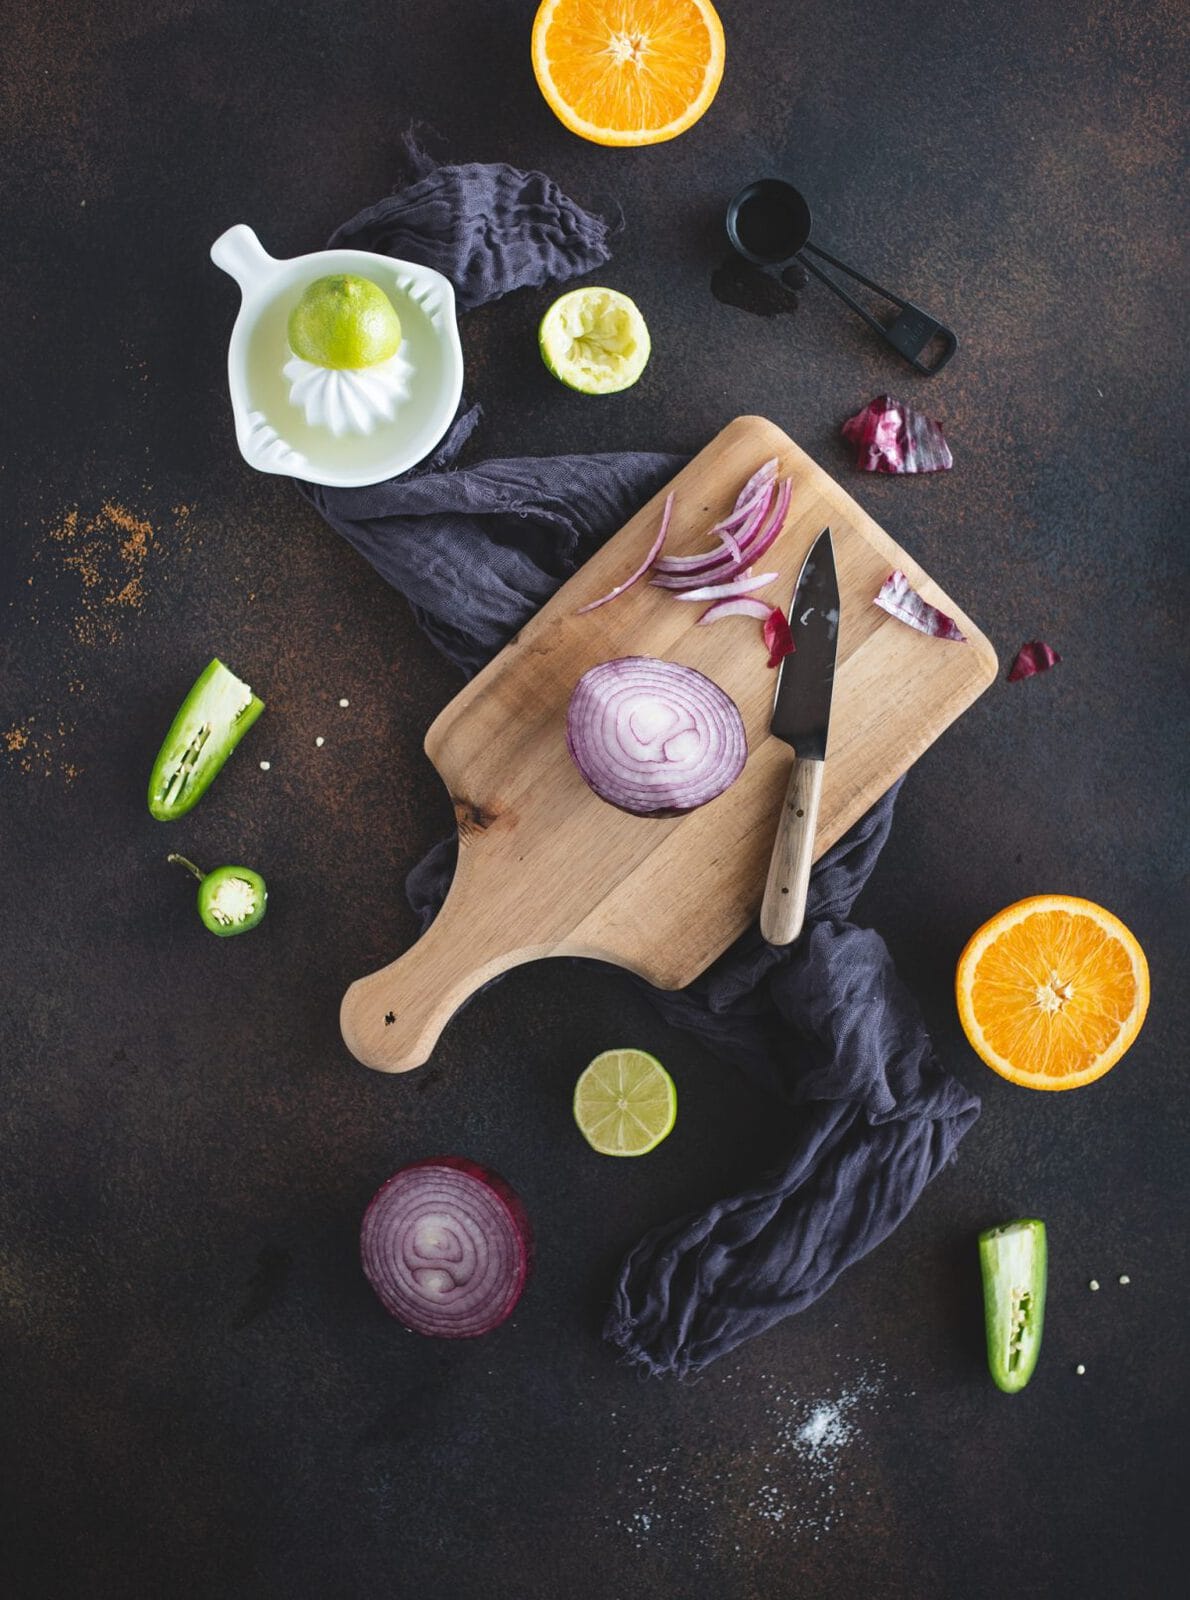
[(344, 322)]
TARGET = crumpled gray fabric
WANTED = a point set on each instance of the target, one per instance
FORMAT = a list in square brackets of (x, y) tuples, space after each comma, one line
[(488, 227), (824, 1025)]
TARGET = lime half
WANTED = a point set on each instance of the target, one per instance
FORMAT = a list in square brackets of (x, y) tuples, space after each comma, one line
[(625, 1103), (594, 340), (344, 322)]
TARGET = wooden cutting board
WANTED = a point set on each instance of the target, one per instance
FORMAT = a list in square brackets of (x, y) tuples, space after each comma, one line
[(548, 869)]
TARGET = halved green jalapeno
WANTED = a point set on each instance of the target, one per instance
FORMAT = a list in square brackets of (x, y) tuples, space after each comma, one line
[(214, 717), (230, 899), (1013, 1259)]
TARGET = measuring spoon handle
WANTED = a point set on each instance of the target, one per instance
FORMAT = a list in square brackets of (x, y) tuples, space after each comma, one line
[(911, 330)]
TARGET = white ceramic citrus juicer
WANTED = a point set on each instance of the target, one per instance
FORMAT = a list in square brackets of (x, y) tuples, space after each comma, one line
[(340, 429)]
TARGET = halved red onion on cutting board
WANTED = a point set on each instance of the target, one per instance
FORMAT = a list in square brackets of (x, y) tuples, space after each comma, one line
[(446, 1245), (654, 737)]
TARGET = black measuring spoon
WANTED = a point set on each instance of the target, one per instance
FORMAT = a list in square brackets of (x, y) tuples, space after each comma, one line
[(768, 224)]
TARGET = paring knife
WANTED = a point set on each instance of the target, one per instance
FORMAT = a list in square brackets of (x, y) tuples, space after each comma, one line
[(801, 716)]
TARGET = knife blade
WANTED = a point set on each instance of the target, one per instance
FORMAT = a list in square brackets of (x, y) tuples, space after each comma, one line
[(801, 717)]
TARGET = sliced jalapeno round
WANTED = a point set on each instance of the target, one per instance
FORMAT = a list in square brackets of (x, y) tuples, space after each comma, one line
[(230, 899)]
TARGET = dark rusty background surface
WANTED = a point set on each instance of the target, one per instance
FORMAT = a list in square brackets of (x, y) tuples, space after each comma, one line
[(201, 1397)]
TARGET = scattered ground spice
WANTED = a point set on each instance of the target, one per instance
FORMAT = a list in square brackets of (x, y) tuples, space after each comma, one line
[(92, 574), (37, 751), (108, 553)]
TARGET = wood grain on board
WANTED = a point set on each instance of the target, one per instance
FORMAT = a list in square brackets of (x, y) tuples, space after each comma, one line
[(546, 868)]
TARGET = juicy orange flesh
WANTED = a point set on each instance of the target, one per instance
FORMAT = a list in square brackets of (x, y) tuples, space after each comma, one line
[(1053, 993), (631, 63)]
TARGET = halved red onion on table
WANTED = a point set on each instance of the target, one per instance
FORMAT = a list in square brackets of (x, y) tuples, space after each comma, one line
[(654, 738), (446, 1245)]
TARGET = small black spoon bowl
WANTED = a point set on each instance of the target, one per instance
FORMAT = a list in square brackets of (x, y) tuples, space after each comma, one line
[(768, 223)]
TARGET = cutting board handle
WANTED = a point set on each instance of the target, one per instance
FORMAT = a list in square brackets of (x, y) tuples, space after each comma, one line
[(391, 1019)]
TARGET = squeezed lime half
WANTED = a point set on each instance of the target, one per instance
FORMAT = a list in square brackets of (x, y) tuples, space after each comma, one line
[(594, 340), (344, 322)]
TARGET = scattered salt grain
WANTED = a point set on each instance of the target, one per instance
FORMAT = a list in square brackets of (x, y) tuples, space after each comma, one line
[(319, 742), (1124, 1278), (265, 765), (1080, 1369), (787, 1481), (1094, 1283), (344, 703)]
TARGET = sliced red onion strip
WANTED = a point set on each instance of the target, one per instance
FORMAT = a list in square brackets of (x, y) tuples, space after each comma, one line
[(752, 547), (891, 437), (654, 552), (751, 504), (731, 544), (736, 608), (760, 479), (1032, 658), (898, 597), (446, 1245), (728, 591), (743, 528), (654, 738), (778, 638)]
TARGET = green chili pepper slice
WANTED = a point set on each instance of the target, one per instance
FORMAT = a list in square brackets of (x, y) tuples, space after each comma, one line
[(1013, 1259), (214, 717), (230, 899)]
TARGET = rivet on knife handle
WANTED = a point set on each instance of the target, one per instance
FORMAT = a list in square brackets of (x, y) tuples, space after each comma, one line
[(784, 907)]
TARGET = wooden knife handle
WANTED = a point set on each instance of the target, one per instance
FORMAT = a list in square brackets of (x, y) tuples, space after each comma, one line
[(784, 907)]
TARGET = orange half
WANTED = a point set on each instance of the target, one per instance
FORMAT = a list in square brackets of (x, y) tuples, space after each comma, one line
[(1052, 991), (628, 72)]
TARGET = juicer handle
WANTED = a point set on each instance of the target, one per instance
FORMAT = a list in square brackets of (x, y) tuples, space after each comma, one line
[(240, 253)]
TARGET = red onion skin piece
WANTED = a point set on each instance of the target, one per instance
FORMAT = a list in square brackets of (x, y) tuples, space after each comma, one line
[(630, 686), (1032, 658), (520, 1232), (892, 437), (778, 637), (901, 600), (654, 552)]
